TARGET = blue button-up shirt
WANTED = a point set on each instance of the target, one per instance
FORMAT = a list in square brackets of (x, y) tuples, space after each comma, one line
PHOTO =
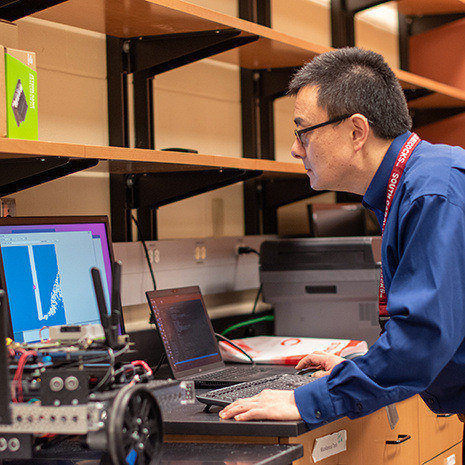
[(423, 256)]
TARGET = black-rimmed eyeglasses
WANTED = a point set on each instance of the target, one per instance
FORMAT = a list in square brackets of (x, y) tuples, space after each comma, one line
[(298, 132)]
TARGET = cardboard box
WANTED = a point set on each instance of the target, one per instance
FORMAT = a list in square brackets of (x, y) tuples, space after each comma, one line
[(18, 92)]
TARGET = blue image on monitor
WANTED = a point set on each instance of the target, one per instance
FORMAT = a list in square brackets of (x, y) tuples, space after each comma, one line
[(48, 277), (33, 284)]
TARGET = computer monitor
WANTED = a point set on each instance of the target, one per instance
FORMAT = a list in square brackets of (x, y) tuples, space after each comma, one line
[(45, 268)]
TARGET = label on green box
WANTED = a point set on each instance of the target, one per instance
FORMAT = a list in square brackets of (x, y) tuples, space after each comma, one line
[(21, 100)]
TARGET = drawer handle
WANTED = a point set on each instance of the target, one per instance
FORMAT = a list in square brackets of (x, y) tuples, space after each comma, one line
[(400, 439), (444, 415)]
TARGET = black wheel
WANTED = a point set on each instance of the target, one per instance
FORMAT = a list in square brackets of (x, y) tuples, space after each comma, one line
[(134, 427)]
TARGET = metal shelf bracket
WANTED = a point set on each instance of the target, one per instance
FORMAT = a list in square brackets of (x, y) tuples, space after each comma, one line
[(17, 174)]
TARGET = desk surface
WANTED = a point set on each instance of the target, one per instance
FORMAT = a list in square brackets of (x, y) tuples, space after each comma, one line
[(191, 419)]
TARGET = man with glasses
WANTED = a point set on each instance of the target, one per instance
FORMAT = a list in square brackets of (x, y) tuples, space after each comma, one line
[(353, 134)]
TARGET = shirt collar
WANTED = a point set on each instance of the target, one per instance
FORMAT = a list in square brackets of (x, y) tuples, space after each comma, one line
[(375, 196)]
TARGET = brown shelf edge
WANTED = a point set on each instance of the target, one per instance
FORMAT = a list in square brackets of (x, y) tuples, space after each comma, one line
[(438, 87), (416, 8), (153, 160)]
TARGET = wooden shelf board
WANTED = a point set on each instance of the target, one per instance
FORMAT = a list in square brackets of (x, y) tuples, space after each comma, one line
[(130, 18), (444, 95), (430, 7), (128, 160)]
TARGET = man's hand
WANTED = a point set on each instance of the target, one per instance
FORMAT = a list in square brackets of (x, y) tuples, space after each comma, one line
[(268, 405), (320, 360)]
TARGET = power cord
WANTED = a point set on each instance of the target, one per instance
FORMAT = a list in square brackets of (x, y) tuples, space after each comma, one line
[(241, 250), (247, 323), (144, 245), (256, 298), (228, 341)]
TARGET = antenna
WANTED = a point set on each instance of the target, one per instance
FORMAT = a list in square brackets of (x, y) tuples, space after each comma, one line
[(102, 306), (115, 318)]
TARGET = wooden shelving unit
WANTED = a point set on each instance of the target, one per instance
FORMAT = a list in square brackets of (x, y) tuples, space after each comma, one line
[(273, 49), (263, 49), (154, 17)]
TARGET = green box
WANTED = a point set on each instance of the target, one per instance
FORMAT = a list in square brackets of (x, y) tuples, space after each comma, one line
[(20, 119)]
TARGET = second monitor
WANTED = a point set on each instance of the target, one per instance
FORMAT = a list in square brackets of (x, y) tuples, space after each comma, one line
[(45, 268)]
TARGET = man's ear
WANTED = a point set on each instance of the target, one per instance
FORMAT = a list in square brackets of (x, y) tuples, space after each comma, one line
[(360, 130)]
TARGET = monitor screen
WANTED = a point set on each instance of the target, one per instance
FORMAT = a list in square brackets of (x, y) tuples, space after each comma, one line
[(184, 328), (45, 264)]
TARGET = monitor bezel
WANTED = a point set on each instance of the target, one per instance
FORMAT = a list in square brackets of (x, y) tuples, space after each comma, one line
[(45, 220), (181, 374)]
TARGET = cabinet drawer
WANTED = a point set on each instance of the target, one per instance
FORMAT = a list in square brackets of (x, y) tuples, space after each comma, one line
[(436, 434), (376, 431), (452, 456)]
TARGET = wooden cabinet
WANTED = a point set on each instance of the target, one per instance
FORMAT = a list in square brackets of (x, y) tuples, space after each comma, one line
[(422, 437), (430, 436), (436, 433), (378, 445), (351, 456), (452, 456)]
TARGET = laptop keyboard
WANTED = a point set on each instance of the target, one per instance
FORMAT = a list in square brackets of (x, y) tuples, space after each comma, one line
[(232, 373), (227, 395)]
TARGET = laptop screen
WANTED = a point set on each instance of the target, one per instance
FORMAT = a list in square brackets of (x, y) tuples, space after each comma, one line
[(185, 329), (46, 266)]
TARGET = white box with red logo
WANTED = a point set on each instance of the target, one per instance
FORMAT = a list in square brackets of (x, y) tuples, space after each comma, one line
[(282, 350)]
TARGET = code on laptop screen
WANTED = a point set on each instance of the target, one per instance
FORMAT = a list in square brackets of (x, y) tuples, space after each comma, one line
[(185, 328)]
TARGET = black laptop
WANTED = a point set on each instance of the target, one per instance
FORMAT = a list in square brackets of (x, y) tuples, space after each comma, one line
[(190, 343)]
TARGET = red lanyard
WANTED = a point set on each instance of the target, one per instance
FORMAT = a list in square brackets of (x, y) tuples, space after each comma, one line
[(396, 174)]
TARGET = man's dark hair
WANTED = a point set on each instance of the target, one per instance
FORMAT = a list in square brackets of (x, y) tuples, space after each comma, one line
[(352, 80)]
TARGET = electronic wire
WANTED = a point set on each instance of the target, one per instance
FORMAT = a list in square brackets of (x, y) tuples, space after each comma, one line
[(141, 237), (95, 360), (247, 323), (109, 374), (240, 349), (256, 298), (149, 264)]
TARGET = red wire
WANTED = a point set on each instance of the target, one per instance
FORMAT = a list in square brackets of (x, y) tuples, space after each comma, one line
[(18, 378), (144, 365), (40, 333)]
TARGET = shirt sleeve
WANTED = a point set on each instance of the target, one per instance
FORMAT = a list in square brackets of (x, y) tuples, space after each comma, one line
[(425, 328)]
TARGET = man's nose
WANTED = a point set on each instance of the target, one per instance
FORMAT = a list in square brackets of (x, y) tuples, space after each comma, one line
[(297, 151)]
